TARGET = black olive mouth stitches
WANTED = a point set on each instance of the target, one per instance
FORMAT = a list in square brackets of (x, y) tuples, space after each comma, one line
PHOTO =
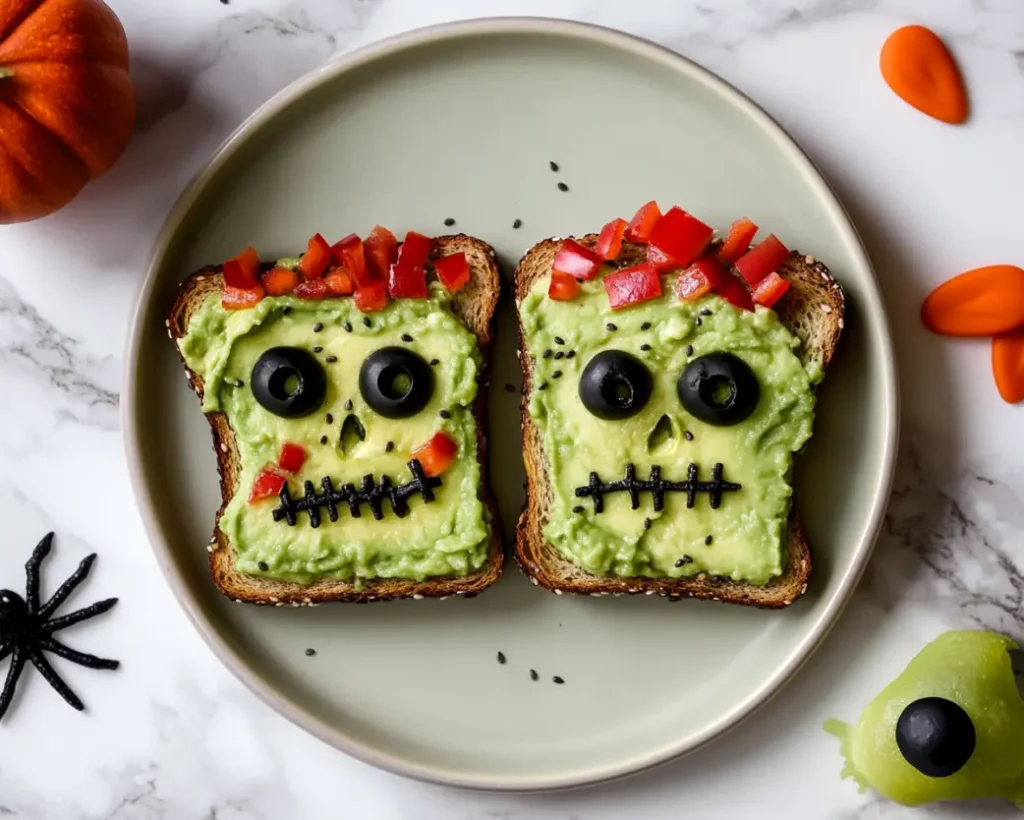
[(657, 487), (371, 492)]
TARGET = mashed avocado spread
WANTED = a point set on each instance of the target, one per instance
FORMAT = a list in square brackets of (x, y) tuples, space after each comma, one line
[(743, 538), (449, 536)]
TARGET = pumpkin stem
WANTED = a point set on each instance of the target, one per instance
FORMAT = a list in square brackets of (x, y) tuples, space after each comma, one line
[(6, 72)]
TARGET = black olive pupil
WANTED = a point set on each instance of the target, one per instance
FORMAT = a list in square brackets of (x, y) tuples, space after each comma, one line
[(615, 385), (284, 383), (936, 736), (395, 382), (719, 388), (718, 391), (617, 391), (288, 382)]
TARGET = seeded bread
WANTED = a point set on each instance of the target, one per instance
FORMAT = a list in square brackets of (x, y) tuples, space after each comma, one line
[(475, 304), (813, 310)]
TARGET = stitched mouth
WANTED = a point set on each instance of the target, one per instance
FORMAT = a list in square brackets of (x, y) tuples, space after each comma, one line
[(658, 487), (371, 492)]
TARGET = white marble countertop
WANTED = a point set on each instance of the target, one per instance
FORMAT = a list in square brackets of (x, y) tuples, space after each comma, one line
[(173, 735)]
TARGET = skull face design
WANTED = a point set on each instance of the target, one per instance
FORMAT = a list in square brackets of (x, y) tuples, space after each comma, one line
[(361, 399), (948, 728), (668, 429)]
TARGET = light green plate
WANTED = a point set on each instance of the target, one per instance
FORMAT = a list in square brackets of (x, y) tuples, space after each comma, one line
[(461, 121)]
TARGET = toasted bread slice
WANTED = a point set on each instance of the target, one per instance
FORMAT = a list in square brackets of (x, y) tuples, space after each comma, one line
[(475, 304), (813, 310)]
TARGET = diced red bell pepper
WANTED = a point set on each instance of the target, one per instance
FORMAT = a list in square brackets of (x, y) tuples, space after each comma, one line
[(315, 289), (609, 241), (338, 282), (643, 221), (741, 234), (292, 457), (770, 289), (563, 287), (279, 281), (678, 238), (577, 260), (734, 292), (266, 485), (632, 285), (414, 251), (241, 298), (407, 283), (761, 260), (703, 276), (436, 455), (453, 271), (350, 254), (314, 261), (242, 271), (381, 251), (372, 297)]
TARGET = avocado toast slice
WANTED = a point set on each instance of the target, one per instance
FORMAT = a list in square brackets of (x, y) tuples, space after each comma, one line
[(812, 311), (348, 424)]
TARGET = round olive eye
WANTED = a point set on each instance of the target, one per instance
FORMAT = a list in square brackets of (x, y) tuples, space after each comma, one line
[(936, 736), (396, 382), (719, 388), (615, 385), (288, 382)]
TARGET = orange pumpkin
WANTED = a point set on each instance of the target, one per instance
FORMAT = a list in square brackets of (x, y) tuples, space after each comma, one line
[(66, 103)]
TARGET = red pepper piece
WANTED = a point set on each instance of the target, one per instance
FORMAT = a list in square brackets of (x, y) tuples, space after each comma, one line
[(350, 254), (679, 238), (563, 287), (632, 285), (414, 251), (577, 260), (372, 297), (436, 455), (314, 290), (266, 485), (702, 276), (314, 261), (733, 291), (769, 290), (741, 234), (338, 282), (279, 281), (292, 457), (406, 282), (609, 241), (761, 260), (380, 251), (241, 298), (453, 271), (242, 271), (643, 222)]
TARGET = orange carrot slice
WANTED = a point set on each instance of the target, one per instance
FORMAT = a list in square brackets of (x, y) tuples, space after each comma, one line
[(1008, 364), (919, 68), (980, 302)]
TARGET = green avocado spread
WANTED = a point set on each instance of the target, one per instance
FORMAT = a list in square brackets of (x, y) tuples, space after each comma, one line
[(743, 539), (449, 536)]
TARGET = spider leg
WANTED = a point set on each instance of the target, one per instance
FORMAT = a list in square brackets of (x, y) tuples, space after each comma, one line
[(73, 655), (32, 572), (55, 680), (67, 587), (98, 608), (17, 665)]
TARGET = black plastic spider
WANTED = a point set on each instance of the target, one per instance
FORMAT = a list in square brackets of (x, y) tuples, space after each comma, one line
[(26, 629)]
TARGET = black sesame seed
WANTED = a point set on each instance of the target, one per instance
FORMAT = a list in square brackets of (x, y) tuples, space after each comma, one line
[(689, 350), (577, 509), (318, 327), (318, 349), (560, 355), (571, 354), (348, 404), (647, 523), (501, 657), (449, 222), (263, 566), (330, 419), (705, 312), (323, 439), (708, 540), (645, 326), (389, 447), (546, 354), (559, 340), (687, 435), (286, 309), (367, 322), (406, 337), (611, 327), (518, 223), (534, 675), (562, 186), (310, 652), (698, 321), (686, 559), (435, 362), (348, 327), (542, 386), (331, 359), (510, 388), (239, 383), (445, 414), (557, 374), (554, 166), (558, 679), (645, 347)]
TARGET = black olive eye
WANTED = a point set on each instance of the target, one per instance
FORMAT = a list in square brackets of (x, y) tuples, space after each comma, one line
[(288, 382), (719, 388), (396, 382), (936, 736), (615, 385)]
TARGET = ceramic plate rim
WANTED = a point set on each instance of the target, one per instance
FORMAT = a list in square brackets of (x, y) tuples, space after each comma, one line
[(639, 47)]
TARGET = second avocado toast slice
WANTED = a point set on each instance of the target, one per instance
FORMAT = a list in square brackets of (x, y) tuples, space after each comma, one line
[(674, 509), (372, 494)]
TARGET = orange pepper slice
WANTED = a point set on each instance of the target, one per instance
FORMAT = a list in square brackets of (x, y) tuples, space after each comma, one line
[(981, 302), (1008, 364), (917, 65)]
